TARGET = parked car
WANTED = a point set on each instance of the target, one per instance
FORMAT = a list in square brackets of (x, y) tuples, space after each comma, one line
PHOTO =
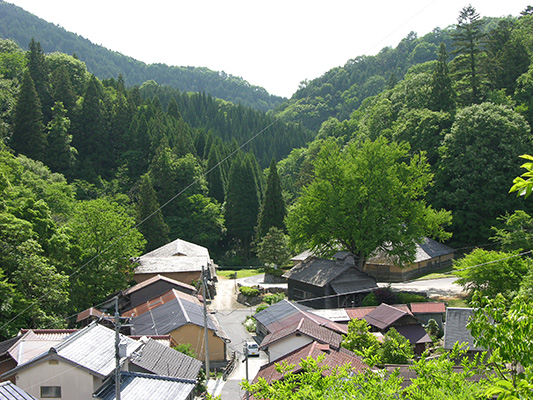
[(252, 348)]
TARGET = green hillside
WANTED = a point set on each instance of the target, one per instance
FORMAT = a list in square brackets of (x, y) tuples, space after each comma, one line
[(21, 26)]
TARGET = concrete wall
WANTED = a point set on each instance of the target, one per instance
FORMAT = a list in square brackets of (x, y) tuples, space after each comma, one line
[(75, 382)]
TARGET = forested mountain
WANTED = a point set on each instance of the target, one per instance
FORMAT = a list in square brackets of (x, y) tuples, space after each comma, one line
[(95, 171), (341, 90), (21, 27), (471, 114)]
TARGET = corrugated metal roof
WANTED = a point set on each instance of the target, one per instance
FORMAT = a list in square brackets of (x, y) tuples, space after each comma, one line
[(455, 329), (164, 361), (158, 301), (10, 391), (333, 314), (428, 308), (94, 348), (135, 386), (426, 250), (33, 343)]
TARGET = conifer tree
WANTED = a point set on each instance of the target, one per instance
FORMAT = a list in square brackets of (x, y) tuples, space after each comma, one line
[(28, 131), (273, 210), (63, 90), (442, 94), (60, 155), (242, 204), (467, 40), (39, 73), (214, 176), (153, 226)]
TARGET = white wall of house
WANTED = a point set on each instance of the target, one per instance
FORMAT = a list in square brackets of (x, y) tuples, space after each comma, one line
[(75, 382), (286, 345)]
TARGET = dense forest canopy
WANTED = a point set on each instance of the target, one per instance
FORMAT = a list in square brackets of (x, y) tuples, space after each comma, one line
[(152, 163), (21, 26)]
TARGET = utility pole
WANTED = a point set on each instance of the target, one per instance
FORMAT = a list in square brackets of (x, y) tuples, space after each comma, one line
[(246, 358), (117, 350), (204, 284)]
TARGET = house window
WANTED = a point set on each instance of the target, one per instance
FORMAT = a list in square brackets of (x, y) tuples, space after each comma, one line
[(51, 392), (302, 294)]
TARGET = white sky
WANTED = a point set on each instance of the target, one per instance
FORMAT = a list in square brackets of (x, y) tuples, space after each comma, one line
[(275, 44)]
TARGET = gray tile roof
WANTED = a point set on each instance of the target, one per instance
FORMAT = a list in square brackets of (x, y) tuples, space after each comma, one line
[(135, 386), (317, 271), (165, 361), (455, 330), (10, 391), (168, 317), (94, 348), (426, 250), (278, 311)]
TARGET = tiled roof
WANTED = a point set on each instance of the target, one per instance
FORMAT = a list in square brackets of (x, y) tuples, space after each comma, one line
[(360, 312), (305, 327), (428, 308), (158, 301), (135, 386), (167, 316), (317, 271), (426, 250), (154, 279), (10, 391), (333, 358), (176, 256), (285, 312), (455, 329), (414, 333), (384, 316), (164, 361)]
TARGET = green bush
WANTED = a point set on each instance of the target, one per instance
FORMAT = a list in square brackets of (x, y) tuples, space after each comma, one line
[(273, 298), (369, 300), (261, 307), (406, 298), (250, 323), (249, 291)]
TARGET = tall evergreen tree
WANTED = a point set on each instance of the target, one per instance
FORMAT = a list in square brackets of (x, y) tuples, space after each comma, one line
[(242, 204), (442, 94), (467, 40), (63, 90), (150, 217), (40, 75), (60, 155), (214, 176), (273, 210), (28, 130)]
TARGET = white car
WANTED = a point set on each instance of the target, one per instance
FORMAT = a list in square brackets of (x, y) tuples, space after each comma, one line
[(252, 348)]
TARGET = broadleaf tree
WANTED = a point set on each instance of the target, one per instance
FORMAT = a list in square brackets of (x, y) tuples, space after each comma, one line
[(366, 196)]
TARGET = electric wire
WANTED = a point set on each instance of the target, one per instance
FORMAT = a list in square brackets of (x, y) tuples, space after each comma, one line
[(178, 194)]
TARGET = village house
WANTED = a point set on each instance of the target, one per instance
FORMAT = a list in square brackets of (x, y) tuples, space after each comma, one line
[(455, 330), (182, 317), (178, 260), (322, 283)]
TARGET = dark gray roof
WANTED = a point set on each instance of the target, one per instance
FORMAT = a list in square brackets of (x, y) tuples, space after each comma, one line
[(414, 333), (10, 391), (170, 316), (6, 344), (353, 281), (135, 386), (278, 311), (317, 271), (455, 329), (165, 361)]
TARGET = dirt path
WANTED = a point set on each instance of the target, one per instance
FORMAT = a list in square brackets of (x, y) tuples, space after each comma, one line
[(226, 297)]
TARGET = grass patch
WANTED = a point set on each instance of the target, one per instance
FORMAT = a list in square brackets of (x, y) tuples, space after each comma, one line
[(458, 302), (441, 273), (241, 273)]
